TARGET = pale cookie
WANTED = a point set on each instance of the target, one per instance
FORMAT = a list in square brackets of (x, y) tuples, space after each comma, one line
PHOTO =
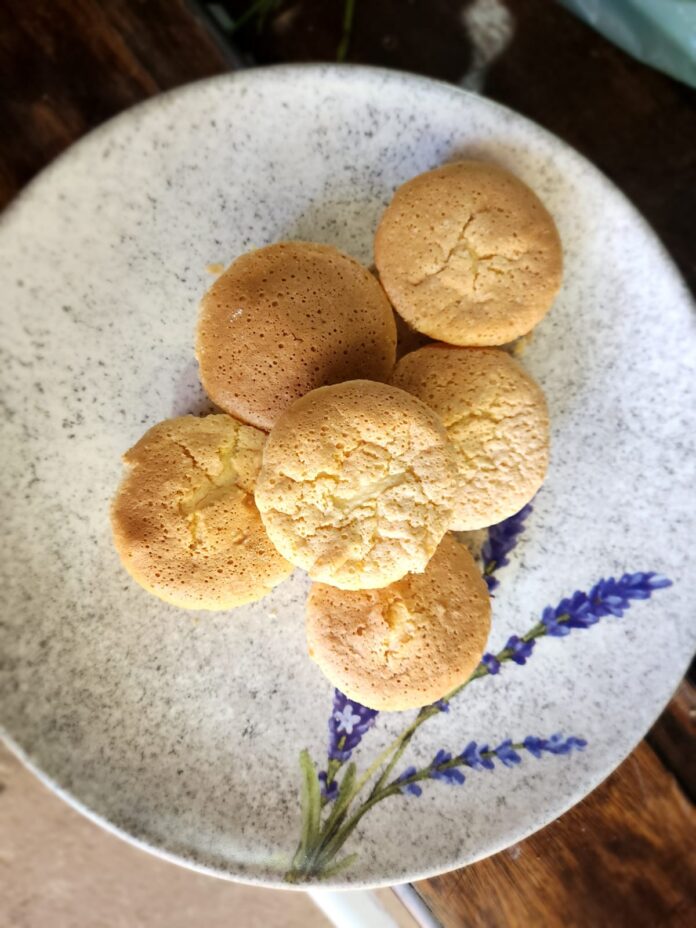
[(468, 254), (496, 418), (184, 519), (357, 484), (286, 319), (408, 644)]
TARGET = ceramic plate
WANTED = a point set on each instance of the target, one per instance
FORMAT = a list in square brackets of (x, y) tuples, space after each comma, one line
[(212, 738)]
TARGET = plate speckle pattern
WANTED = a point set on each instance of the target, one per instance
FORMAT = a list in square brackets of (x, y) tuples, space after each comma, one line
[(183, 730)]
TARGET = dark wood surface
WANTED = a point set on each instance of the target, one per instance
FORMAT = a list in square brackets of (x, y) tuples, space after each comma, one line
[(625, 856), (67, 65)]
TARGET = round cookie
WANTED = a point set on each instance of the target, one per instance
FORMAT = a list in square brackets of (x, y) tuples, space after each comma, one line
[(469, 255), (285, 319), (408, 644), (496, 419), (357, 484), (184, 520)]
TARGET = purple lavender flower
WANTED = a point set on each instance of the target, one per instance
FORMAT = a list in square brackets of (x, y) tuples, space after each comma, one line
[(442, 705), (506, 753), (608, 597), (412, 788), (534, 745), (449, 774), (490, 662), (483, 757), (502, 538), (520, 649), (556, 744), (581, 610), (475, 756), (553, 627), (348, 723), (328, 792)]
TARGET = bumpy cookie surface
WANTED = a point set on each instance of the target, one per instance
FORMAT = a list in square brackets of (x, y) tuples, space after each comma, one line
[(357, 484), (285, 319), (408, 644), (496, 419), (469, 255), (184, 519)]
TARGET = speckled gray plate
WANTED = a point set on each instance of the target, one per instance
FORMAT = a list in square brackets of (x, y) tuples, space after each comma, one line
[(183, 731)]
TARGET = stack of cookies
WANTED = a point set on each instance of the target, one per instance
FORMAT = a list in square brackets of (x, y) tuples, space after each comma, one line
[(330, 456)]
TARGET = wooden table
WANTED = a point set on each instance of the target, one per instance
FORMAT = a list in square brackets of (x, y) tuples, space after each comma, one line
[(626, 855)]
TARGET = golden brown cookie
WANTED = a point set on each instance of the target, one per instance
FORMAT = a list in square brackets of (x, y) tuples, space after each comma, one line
[(285, 319), (469, 255), (408, 644), (496, 419), (184, 520), (357, 484)]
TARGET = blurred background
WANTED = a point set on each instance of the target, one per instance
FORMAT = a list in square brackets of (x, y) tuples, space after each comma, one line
[(615, 79)]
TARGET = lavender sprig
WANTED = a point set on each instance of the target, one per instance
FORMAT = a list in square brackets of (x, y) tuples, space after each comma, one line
[(446, 768), (582, 610), (502, 538), (348, 723), (608, 597)]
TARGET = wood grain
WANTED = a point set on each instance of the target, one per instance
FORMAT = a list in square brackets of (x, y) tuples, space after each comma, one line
[(673, 738), (626, 855), (67, 65)]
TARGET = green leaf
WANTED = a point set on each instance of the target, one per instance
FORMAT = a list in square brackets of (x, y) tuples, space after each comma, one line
[(334, 845), (343, 799), (336, 842), (338, 867), (311, 805), (340, 838)]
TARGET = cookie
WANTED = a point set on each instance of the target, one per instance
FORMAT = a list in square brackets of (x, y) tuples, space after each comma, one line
[(286, 319), (406, 645), (357, 484), (469, 255), (184, 520), (496, 419)]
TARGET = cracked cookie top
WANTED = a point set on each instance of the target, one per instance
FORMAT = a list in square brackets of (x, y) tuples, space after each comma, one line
[(357, 484), (408, 644), (184, 520), (469, 255), (496, 419), (285, 319)]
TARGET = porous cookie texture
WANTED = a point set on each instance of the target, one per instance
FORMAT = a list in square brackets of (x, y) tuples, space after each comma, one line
[(496, 419), (469, 255), (408, 644), (285, 319), (357, 484), (184, 520)]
